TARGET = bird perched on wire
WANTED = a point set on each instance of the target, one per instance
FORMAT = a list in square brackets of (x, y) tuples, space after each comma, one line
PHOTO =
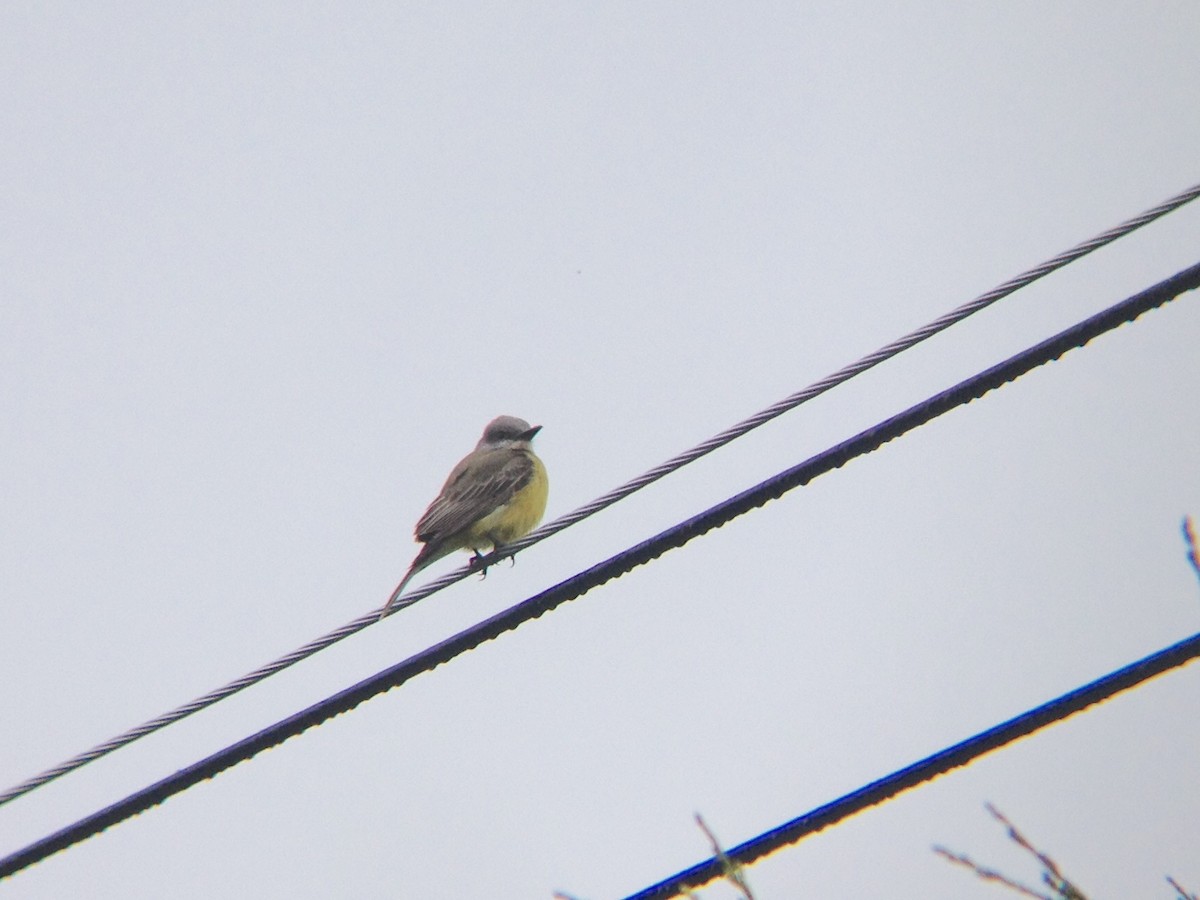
[(494, 496)]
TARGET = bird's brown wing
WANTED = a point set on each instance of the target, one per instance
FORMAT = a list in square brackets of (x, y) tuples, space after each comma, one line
[(495, 477)]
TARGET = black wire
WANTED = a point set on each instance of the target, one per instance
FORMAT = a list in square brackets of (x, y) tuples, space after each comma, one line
[(676, 536), (929, 768)]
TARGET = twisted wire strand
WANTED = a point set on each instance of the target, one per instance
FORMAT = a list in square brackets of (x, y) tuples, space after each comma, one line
[(604, 501)]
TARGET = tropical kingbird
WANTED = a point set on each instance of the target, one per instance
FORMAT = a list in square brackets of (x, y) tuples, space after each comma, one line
[(494, 496)]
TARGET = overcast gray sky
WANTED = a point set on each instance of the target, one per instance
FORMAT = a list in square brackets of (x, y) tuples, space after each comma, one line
[(266, 273)]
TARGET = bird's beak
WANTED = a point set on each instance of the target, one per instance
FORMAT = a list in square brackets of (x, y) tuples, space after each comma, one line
[(528, 435)]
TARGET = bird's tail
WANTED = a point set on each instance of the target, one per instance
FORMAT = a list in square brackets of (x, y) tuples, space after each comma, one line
[(387, 607), (430, 553)]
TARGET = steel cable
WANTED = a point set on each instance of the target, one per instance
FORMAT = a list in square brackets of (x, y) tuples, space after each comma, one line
[(788, 403)]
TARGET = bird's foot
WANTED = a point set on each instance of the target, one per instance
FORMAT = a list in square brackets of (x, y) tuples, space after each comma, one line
[(481, 562), (477, 564)]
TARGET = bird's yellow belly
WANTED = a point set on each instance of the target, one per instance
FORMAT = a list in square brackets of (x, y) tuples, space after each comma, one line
[(515, 519)]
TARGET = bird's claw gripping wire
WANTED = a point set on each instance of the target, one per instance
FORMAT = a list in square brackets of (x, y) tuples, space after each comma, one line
[(481, 562)]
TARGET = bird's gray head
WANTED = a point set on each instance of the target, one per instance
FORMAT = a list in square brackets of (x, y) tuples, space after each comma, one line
[(507, 430)]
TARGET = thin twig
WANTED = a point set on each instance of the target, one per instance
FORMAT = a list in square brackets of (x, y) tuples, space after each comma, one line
[(1189, 537), (1052, 877), (989, 874), (731, 869)]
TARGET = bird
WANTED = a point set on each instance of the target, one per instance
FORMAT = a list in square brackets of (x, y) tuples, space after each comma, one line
[(495, 495)]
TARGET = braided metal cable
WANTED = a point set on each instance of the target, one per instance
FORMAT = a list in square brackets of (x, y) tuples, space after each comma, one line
[(719, 440)]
